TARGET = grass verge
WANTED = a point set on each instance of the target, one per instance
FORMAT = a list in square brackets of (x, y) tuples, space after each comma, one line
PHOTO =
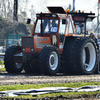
[(2, 69), (1, 62), (69, 94)]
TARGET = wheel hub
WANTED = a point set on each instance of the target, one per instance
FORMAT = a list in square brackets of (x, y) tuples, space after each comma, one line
[(88, 66), (52, 60)]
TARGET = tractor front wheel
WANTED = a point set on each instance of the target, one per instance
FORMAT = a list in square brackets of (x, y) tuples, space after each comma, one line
[(49, 60), (10, 65)]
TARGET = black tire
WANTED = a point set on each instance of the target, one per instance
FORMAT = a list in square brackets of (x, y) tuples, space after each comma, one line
[(49, 60), (32, 66), (10, 65), (88, 65), (83, 58), (98, 70), (69, 46)]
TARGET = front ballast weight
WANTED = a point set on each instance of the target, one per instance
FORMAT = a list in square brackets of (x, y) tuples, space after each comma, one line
[(20, 58)]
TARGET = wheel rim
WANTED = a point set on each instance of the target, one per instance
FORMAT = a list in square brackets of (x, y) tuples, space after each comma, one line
[(18, 65), (90, 65), (53, 60)]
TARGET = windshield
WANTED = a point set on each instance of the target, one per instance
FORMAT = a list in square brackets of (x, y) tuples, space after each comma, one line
[(79, 28), (49, 26)]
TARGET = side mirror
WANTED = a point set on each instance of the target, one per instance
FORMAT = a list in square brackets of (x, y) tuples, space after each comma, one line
[(63, 21), (28, 21)]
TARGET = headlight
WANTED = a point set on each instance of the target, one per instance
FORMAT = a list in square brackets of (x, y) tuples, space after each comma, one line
[(32, 49), (23, 49)]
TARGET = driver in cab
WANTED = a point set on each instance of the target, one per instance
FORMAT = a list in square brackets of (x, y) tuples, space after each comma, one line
[(54, 26)]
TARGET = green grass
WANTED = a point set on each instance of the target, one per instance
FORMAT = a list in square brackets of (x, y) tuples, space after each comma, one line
[(31, 86), (1, 62), (2, 69), (69, 94)]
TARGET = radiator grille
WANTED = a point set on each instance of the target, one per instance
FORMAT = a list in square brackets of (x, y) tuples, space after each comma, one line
[(27, 42)]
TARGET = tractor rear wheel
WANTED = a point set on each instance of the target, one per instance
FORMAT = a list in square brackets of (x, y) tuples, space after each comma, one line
[(49, 60), (86, 55), (10, 65), (68, 67), (81, 55)]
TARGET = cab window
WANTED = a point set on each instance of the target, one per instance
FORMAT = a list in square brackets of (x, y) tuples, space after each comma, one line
[(79, 28), (62, 30), (49, 26)]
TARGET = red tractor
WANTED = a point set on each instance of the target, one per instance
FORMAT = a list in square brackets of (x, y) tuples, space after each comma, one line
[(55, 39)]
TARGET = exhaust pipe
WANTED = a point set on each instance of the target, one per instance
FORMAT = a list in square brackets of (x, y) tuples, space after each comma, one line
[(73, 5), (41, 26)]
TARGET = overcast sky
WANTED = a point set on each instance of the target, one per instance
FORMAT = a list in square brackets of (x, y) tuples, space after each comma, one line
[(86, 5), (41, 5)]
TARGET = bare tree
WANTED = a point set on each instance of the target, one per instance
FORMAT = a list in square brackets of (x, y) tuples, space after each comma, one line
[(23, 10), (6, 8)]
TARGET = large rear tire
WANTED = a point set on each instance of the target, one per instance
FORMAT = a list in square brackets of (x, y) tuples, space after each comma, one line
[(69, 46), (49, 60), (10, 65), (81, 55), (87, 56)]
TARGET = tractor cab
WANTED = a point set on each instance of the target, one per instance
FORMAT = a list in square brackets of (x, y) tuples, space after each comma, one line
[(52, 29), (55, 23), (55, 26), (80, 19)]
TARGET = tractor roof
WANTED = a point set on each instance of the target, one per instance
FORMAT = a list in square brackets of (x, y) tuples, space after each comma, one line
[(61, 13), (87, 16), (60, 10), (53, 15)]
